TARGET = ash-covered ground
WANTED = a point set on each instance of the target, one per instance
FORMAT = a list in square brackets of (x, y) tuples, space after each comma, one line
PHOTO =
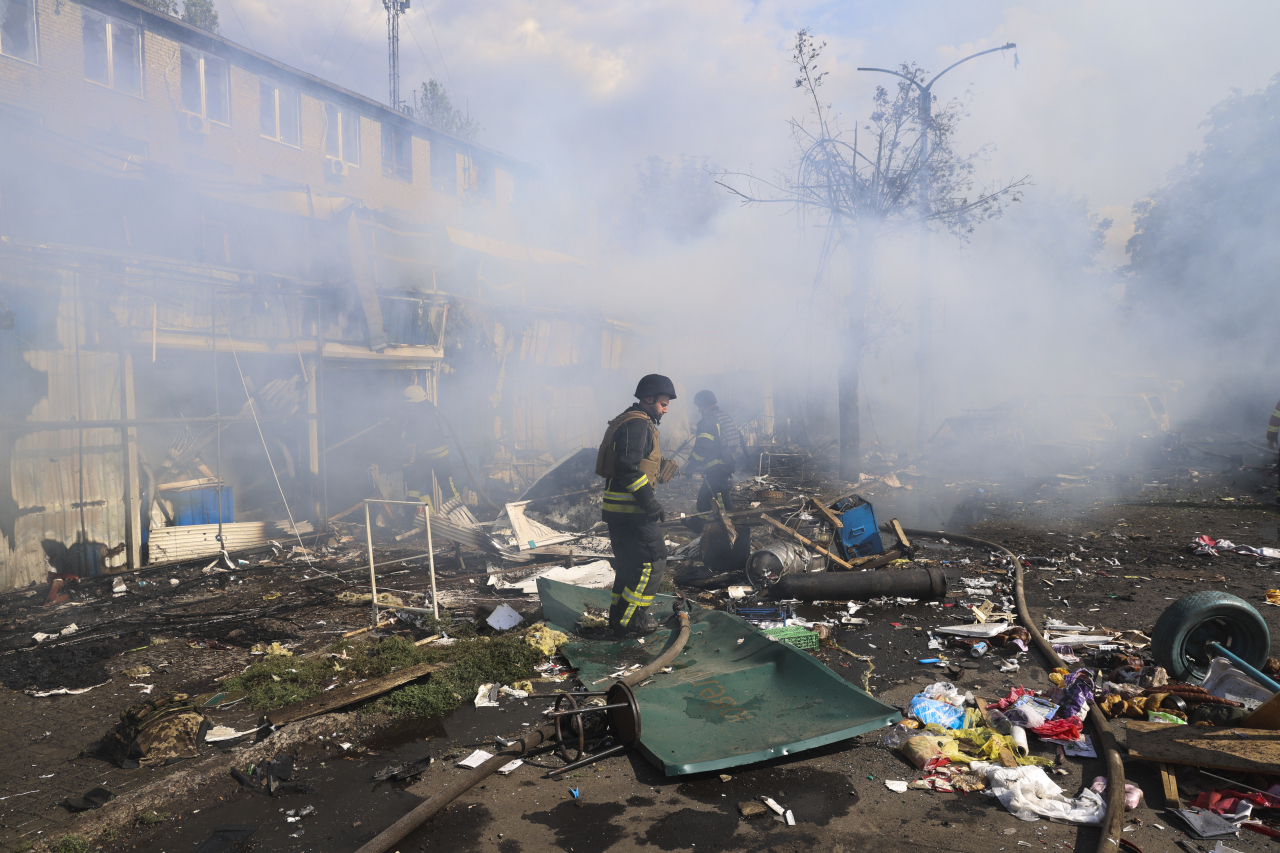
[(1106, 549)]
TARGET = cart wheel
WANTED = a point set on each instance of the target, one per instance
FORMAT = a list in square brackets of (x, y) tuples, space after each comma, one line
[(1189, 623)]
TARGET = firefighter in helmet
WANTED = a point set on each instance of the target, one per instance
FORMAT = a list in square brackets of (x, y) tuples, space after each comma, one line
[(716, 450), (630, 460)]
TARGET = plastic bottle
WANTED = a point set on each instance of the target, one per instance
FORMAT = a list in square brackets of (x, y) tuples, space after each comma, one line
[(999, 721)]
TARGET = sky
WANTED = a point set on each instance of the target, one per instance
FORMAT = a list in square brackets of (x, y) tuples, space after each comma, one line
[(1106, 98), (1099, 103)]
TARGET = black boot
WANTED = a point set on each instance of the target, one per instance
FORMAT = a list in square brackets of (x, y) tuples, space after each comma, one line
[(615, 618), (642, 624)]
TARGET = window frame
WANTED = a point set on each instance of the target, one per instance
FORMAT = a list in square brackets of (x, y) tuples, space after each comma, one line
[(394, 168), (34, 6), (343, 116), (445, 179), (109, 43), (276, 88), (203, 73)]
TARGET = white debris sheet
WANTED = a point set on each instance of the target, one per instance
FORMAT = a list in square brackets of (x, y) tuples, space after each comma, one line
[(1029, 794), (532, 534), (594, 575)]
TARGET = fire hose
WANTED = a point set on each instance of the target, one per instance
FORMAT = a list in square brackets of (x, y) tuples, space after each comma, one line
[(1102, 733), (429, 808)]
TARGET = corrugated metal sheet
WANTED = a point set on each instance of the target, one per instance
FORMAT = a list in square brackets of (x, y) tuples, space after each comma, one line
[(168, 544), (69, 484)]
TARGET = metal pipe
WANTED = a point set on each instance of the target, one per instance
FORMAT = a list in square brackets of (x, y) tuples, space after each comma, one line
[(373, 579), (431, 561), (393, 834), (1248, 668), (118, 423), (928, 584), (1101, 731)]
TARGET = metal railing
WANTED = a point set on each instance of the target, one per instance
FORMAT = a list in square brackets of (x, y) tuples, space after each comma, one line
[(373, 576)]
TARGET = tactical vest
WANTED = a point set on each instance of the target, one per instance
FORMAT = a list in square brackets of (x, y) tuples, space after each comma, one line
[(607, 456)]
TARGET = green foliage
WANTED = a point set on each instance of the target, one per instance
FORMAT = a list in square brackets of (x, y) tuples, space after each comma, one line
[(200, 13), (164, 7), (197, 13), (500, 660), (434, 107), (153, 818), (1204, 252), (279, 681), (72, 843)]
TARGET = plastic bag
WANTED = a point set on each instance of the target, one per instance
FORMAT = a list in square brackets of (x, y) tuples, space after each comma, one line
[(928, 710), (945, 691), (1029, 794), (898, 735), (929, 751), (1132, 793), (1026, 716)]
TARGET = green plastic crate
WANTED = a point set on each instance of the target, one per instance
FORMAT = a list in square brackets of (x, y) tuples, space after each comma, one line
[(801, 638)]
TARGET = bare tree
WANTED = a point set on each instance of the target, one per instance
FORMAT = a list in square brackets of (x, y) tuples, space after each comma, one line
[(887, 176)]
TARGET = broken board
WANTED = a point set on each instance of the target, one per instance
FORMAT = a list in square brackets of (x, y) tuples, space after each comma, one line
[(1254, 750), (734, 696), (349, 695)]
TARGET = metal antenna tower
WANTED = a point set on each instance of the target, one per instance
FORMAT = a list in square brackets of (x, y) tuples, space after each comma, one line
[(395, 8)]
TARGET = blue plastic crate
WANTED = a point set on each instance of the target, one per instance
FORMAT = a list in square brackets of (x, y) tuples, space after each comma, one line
[(860, 537), (200, 506)]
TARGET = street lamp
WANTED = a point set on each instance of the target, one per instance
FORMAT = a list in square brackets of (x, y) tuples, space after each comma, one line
[(924, 354)]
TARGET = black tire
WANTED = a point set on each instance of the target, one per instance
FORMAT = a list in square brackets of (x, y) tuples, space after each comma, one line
[(1186, 625)]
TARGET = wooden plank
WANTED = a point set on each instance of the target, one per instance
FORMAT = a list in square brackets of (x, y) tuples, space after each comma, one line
[(875, 561), (720, 516), (134, 510), (825, 512), (782, 528), (1170, 782), (902, 536), (179, 485), (344, 696), (358, 631), (1265, 716), (1248, 750)]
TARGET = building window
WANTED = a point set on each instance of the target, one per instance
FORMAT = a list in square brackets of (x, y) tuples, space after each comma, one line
[(18, 29), (397, 153), (342, 134), (112, 52), (278, 109), (444, 167), (206, 87)]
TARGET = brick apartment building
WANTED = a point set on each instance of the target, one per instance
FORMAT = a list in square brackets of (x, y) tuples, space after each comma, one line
[(210, 260)]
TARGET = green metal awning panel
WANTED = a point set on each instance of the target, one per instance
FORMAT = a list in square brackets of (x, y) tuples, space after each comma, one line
[(734, 696)]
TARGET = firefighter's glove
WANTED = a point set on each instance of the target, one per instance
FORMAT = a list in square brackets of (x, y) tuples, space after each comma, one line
[(653, 510), (1271, 439)]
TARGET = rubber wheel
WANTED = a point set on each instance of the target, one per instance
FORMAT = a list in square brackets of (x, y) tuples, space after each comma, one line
[(1186, 625)]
